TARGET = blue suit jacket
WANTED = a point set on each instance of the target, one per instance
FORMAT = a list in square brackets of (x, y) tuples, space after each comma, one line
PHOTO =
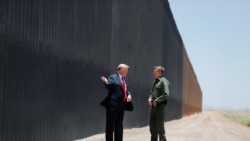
[(114, 100)]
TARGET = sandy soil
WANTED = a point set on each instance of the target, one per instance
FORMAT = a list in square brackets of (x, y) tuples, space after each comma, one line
[(206, 126)]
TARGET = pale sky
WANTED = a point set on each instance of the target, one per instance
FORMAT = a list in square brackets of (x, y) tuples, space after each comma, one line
[(216, 35)]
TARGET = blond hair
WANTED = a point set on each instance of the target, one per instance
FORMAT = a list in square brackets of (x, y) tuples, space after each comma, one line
[(121, 66)]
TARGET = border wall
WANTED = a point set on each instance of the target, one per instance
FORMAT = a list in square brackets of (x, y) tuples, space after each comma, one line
[(53, 52)]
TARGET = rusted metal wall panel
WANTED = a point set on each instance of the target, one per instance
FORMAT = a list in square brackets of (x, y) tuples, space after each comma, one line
[(52, 54), (192, 94)]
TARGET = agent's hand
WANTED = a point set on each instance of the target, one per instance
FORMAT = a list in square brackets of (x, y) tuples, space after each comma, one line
[(150, 102), (154, 104), (104, 79), (129, 98)]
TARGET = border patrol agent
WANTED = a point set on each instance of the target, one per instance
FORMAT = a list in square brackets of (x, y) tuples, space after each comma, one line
[(158, 101)]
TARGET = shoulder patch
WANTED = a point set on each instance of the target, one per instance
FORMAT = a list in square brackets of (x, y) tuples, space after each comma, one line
[(159, 83)]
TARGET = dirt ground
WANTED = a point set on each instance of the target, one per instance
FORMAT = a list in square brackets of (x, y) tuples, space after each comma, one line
[(209, 125)]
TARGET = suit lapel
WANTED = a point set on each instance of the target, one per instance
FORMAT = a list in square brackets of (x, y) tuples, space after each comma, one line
[(118, 79)]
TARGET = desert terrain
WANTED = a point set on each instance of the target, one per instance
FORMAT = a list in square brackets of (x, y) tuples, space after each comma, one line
[(210, 125)]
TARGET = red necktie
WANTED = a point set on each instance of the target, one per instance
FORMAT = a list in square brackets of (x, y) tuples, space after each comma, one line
[(124, 90)]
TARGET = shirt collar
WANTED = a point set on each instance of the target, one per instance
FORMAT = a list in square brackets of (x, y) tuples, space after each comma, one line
[(120, 76)]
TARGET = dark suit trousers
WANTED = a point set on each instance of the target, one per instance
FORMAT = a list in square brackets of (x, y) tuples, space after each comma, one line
[(114, 125)]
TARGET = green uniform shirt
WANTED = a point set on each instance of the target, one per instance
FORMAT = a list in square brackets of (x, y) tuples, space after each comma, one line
[(160, 90)]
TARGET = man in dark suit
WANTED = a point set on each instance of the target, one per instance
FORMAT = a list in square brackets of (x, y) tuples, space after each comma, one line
[(118, 94)]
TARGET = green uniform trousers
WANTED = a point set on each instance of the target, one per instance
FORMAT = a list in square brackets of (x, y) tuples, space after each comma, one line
[(156, 123)]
